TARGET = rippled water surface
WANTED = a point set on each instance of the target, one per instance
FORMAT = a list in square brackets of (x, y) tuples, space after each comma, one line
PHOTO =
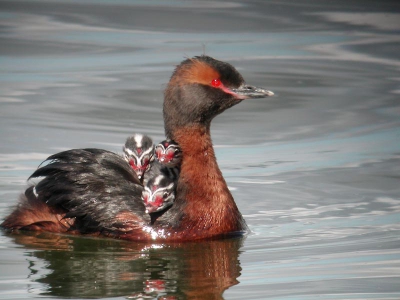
[(315, 170)]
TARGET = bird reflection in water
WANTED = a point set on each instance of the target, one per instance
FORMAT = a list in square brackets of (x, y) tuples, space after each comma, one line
[(94, 268)]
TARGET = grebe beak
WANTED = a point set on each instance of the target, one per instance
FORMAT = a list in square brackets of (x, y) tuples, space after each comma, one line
[(248, 91)]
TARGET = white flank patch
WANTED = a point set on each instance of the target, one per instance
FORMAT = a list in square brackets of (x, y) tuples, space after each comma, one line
[(34, 192)]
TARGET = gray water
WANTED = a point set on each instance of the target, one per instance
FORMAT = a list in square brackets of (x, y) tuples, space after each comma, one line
[(314, 170)]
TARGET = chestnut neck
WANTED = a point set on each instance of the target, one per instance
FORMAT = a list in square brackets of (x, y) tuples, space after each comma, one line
[(202, 193), (200, 175), (194, 139)]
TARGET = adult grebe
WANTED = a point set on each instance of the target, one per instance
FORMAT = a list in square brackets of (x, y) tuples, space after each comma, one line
[(93, 191)]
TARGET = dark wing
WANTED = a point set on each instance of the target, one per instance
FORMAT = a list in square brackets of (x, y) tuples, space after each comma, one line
[(92, 185)]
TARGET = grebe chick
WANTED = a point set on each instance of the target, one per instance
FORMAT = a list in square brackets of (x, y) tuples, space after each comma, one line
[(169, 153), (139, 153), (159, 193)]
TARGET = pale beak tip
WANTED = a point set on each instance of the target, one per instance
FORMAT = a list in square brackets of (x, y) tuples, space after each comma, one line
[(269, 93)]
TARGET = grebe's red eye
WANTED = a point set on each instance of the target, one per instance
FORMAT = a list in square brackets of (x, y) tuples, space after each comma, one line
[(216, 82)]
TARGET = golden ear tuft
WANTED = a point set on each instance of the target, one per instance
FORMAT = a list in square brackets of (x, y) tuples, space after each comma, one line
[(199, 72)]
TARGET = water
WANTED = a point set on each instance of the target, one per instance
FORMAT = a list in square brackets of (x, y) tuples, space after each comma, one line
[(315, 169)]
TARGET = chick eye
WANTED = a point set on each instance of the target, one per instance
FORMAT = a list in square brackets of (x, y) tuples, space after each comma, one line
[(146, 159), (216, 82), (165, 195)]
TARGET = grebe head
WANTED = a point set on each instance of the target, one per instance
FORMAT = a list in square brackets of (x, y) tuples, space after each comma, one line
[(201, 88), (169, 153), (139, 153), (159, 193)]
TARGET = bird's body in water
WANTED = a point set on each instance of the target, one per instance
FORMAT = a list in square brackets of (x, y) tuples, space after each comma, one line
[(93, 191)]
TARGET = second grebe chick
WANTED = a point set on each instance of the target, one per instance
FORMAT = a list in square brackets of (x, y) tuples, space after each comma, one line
[(169, 153)]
